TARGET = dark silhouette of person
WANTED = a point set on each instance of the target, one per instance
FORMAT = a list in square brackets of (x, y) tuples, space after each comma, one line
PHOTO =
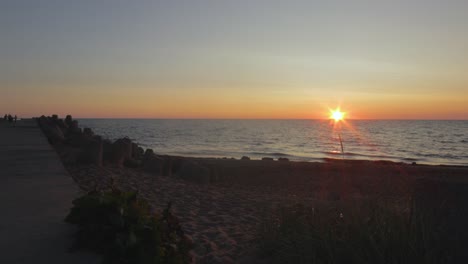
[(5, 117), (14, 120), (10, 118)]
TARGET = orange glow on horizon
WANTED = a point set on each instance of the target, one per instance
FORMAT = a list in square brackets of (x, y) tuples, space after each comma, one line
[(155, 104)]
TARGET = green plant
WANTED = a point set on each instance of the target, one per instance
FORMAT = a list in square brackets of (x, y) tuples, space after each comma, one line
[(122, 228), (369, 233)]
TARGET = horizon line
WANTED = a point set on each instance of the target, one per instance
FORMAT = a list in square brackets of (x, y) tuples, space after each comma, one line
[(260, 118)]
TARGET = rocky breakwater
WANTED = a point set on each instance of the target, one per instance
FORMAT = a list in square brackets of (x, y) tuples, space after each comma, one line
[(190, 169), (77, 146), (71, 142), (80, 146)]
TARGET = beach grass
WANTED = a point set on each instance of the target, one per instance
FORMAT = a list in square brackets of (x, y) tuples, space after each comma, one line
[(368, 232)]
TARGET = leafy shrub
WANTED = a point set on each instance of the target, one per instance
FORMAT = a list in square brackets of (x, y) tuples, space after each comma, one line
[(121, 227), (370, 234)]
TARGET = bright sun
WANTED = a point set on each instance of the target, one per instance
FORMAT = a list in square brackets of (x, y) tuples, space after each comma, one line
[(337, 115)]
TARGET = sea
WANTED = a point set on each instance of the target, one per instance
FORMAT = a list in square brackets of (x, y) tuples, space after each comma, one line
[(432, 142)]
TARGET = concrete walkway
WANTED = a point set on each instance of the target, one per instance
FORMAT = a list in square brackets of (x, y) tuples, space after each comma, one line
[(36, 194)]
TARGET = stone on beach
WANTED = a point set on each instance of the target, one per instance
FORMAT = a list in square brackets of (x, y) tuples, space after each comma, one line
[(195, 172), (174, 164), (54, 134), (132, 163), (148, 153), (160, 164), (75, 139), (74, 128), (152, 163), (107, 150), (88, 132), (92, 151), (245, 158), (62, 126), (121, 151), (68, 120), (137, 151), (267, 159)]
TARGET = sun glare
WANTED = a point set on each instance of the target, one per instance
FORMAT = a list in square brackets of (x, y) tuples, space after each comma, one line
[(337, 115)]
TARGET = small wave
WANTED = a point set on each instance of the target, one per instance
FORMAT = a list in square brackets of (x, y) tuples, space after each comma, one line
[(441, 156), (351, 154), (276, 154), (444, 141), (346, 153), (368, 156), (409, 159)]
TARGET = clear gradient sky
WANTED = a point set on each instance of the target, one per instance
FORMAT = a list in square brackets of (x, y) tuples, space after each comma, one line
[(234, 59)]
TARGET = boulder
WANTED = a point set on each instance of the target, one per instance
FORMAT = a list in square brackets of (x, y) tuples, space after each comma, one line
[(53, 133), (74, 129), (107, 150), (153, 164), (140, 152), (170, 164), (245, 158), (175, 164), (194, 172), (92, 151), (283, 159), (62, 126), (121, 151), (132, 163), (76, 139), (68, 120), (87, 132), (137, 152), (43, 122), (148, 153), (267, 158)]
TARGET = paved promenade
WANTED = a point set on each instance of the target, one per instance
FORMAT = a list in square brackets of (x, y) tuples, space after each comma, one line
[(36, 194)]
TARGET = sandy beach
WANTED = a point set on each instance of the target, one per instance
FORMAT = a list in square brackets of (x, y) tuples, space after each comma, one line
[(222, 218), (221, 202)]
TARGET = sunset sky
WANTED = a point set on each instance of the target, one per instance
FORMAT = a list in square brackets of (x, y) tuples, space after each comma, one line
[(234, 59)]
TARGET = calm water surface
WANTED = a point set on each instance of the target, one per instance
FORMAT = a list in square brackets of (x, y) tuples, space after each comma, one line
[(428, 142)]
